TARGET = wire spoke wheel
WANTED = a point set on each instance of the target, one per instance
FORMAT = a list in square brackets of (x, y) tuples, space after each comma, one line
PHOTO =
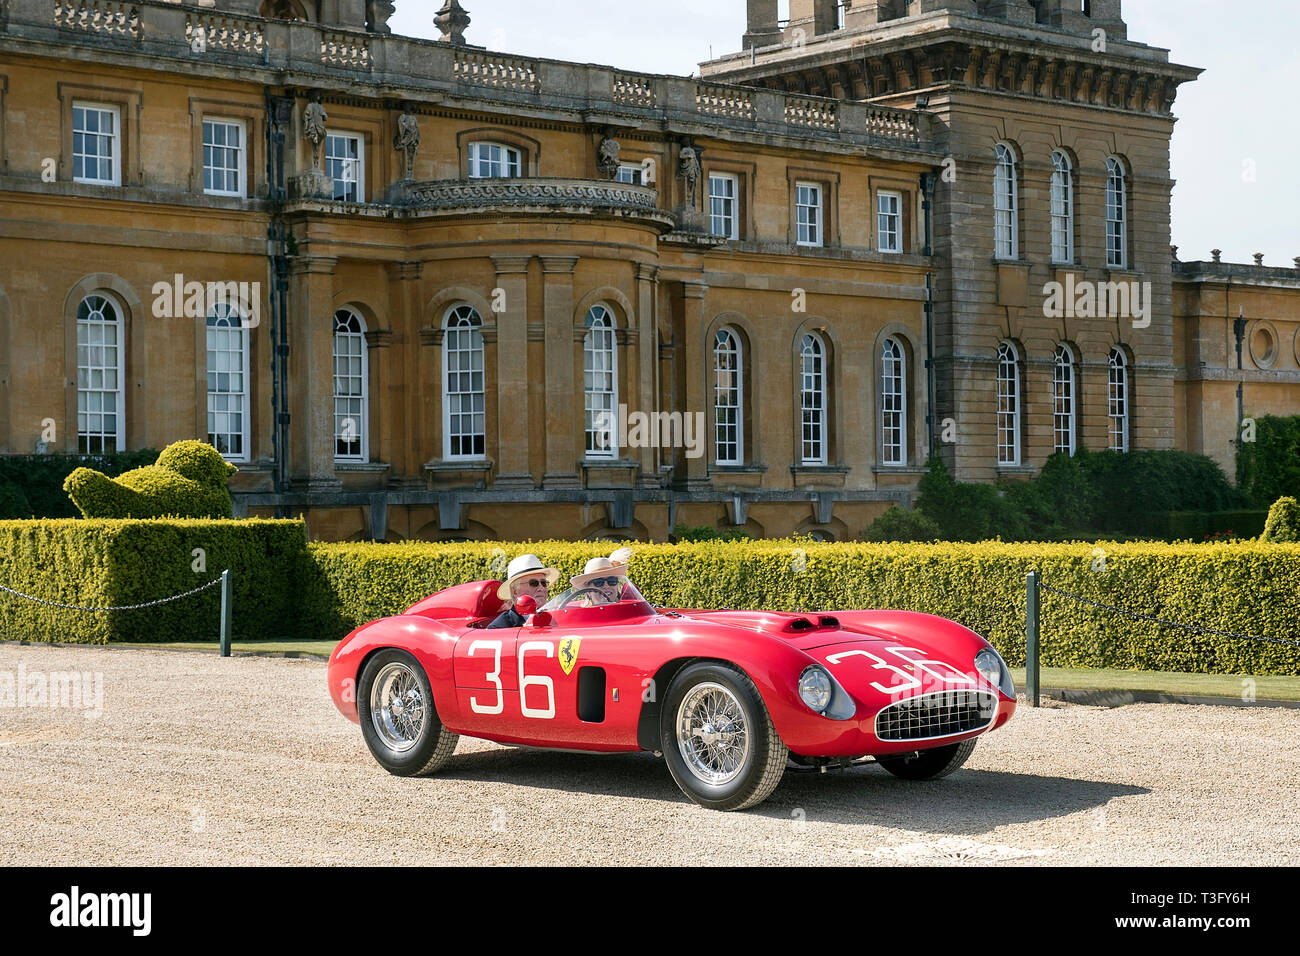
[(397, 707), (711, 733)]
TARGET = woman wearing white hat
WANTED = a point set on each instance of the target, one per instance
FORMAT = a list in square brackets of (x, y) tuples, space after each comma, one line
[(603, 578), (525, 575)]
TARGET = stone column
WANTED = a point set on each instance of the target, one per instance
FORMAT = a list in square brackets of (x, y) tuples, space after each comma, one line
[(512, 374), (382, 435), (647, 277), (693, 293), (311, 374), (561, 448)]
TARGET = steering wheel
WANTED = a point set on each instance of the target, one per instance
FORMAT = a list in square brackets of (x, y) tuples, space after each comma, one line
[(581, 591)]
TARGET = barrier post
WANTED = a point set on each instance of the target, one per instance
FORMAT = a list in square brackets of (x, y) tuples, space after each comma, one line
[(225, 613), (1031, 637)]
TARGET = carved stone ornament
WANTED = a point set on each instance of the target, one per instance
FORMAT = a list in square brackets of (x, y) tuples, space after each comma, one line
[(314, 119), (407, 141), (607, 157)]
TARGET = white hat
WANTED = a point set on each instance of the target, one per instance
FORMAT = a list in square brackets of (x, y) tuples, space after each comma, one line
[(613, 566), (523, 566)]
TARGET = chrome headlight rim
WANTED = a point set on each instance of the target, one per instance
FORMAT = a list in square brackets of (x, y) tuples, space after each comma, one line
[(840, 705), (815, 682), (995, 670)]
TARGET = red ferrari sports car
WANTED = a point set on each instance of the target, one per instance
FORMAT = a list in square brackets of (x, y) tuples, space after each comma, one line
[(728, 698)]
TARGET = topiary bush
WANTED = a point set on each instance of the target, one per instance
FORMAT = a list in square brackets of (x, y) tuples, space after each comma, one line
[(899, 524), (187, 481), (1283, 524)]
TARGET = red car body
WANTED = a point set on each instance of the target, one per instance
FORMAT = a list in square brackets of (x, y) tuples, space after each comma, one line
[(513, 685)]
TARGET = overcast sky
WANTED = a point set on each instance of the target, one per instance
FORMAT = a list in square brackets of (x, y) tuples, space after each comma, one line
[(1236, 134)]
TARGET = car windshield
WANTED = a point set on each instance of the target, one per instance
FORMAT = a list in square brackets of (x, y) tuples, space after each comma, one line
[(594, 593)]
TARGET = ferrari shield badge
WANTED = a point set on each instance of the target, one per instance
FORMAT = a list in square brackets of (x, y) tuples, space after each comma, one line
[(569, 653)]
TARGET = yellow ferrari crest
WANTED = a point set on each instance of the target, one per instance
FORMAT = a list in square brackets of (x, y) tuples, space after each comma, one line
[(569, 653)]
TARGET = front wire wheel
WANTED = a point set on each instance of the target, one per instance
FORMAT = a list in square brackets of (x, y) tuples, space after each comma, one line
[(398, 720), (718, 740)]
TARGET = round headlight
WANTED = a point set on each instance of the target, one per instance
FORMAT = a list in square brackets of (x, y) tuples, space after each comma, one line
[(815, 688), (989, 663)]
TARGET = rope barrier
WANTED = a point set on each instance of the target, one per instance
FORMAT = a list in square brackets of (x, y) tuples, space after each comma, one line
[(1195, 628), (128, 607)]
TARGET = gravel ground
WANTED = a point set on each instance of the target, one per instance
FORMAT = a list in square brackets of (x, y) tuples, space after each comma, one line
[(199, 760)]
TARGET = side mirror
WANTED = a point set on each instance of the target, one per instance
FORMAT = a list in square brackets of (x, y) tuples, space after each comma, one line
[(541, 619), (525, 605)]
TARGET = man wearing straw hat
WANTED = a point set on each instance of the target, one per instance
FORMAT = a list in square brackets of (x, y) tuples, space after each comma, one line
[(524, 576)]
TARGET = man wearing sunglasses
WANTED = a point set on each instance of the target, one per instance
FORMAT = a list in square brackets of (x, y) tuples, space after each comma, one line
[(525, 575)]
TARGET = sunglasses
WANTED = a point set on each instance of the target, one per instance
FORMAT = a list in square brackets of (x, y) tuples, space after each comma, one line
[(536, 583), (604, 582)]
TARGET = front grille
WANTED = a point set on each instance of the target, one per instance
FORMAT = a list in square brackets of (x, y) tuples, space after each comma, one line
[(940, 714)]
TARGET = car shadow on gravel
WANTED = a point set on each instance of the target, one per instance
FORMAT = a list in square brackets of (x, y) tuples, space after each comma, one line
[(967, 802)]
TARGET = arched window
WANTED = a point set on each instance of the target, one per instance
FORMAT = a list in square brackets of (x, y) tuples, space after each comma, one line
[(284, 10), (228, 381), (1062, 208), (728, 399), (1006, 232), (812, 400), (464, 415), (1063, 401), (351, 388), (1118, 401), (101, 417), (1008, 404), (893, 403), (600, 384), (1116, 215)]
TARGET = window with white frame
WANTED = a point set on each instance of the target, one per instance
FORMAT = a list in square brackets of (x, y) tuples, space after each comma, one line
[(96, 144), (1006, 227), (345, 163), (351, 387), (728, 398), (101, 418), (223, 157), (893, 403), (464, 394), (228, 381), (1063, 401), (812, 400), (1116, 215), (600, 384), (889, 221), (809, 217), (632, 175), (1062, 202), (494, 161), (1118, 401), (1008, 404), (724, 219)]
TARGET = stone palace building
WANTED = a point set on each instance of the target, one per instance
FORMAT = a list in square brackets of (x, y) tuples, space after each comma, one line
[(424, 290)]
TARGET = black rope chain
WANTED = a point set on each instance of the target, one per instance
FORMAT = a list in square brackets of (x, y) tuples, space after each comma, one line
[(127, 607), (1195, 628)]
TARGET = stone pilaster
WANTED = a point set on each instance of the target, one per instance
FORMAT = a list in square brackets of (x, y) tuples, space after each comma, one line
[(311, 374), (403, 384), (647, 394), (562, 448), (512, 373), (693, 366)]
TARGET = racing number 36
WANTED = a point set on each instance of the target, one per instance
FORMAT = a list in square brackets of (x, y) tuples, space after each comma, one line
[(494, 675), (911, 681)]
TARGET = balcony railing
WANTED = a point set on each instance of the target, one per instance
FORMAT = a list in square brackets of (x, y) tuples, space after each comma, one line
[(187, 35)]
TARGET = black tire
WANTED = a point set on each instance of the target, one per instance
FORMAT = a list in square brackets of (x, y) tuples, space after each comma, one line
[(764, 755), (432, 745), (929, 764)]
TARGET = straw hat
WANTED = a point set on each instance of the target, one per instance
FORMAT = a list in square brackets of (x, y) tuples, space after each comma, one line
[(615, 566), (522, 567)]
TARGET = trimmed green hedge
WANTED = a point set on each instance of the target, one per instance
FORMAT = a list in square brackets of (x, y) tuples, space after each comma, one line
[(187, 481), (1244, 587), (111, 563)]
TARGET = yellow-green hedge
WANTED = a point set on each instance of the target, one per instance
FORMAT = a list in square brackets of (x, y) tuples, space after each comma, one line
[(1245, 587), (112, 563)]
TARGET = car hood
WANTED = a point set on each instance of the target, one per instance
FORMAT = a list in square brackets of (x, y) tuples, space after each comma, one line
[(801, 630)]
